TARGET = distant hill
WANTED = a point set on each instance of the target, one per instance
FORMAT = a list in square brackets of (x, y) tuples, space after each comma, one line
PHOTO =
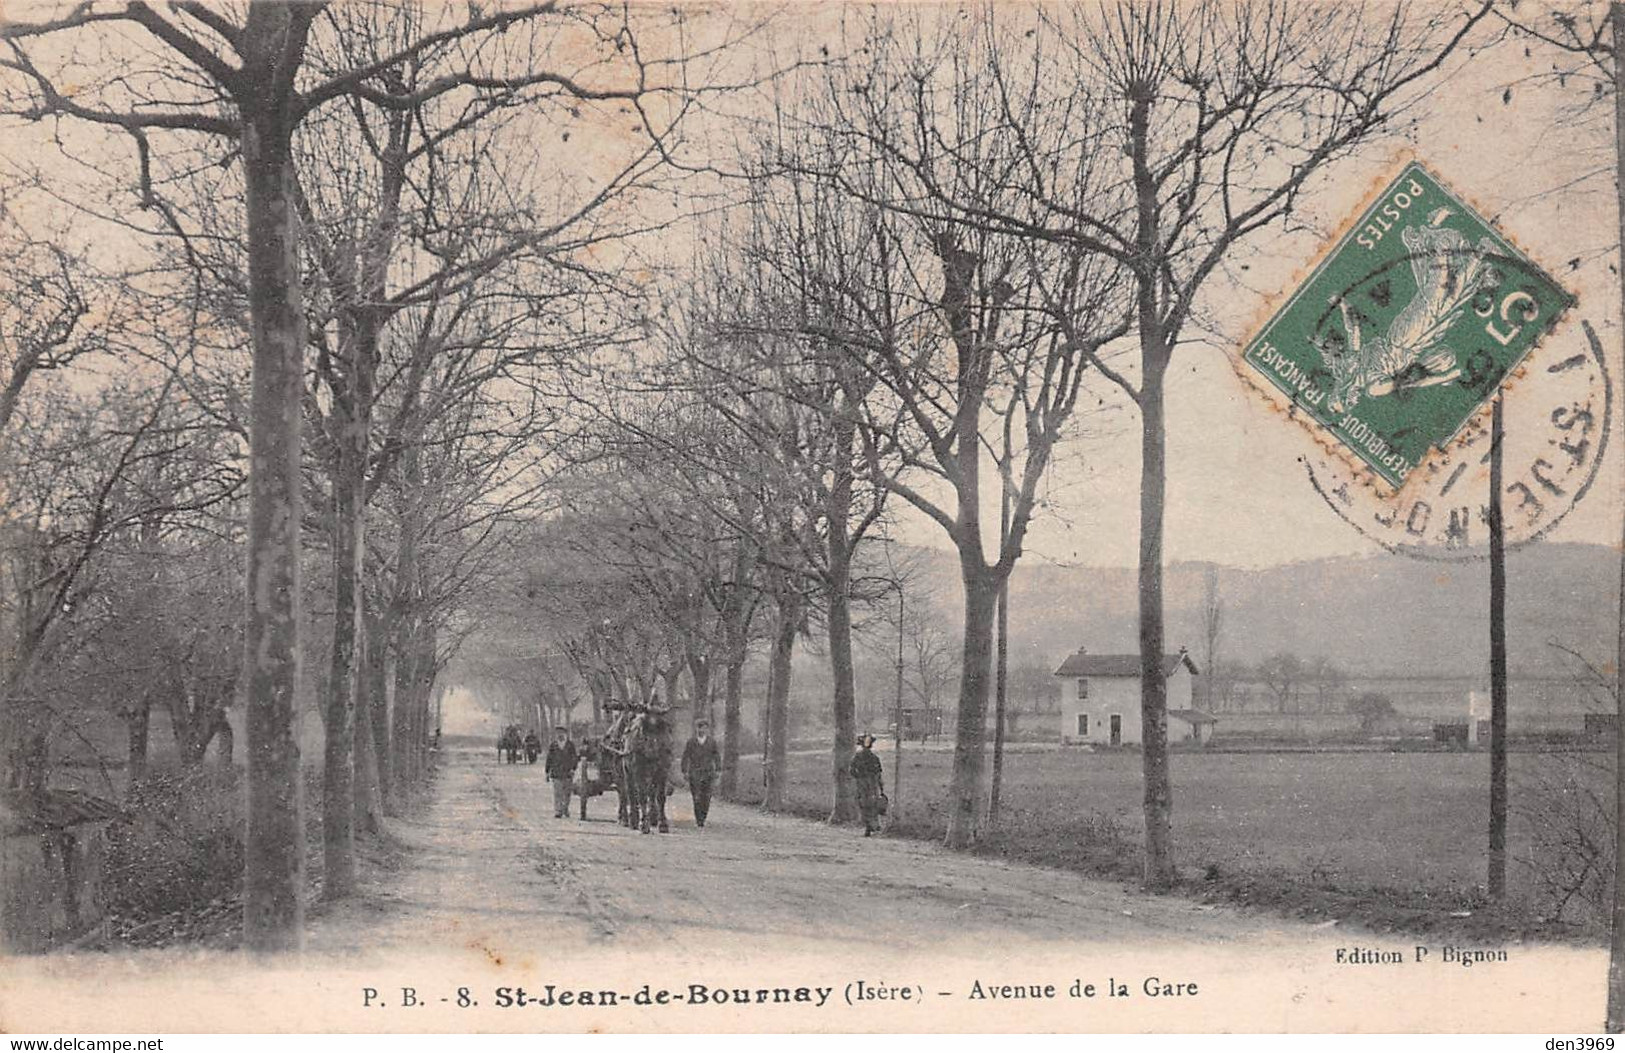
[(1380, 614)]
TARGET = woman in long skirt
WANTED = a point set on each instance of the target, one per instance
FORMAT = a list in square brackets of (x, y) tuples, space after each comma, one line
[(865, 770)]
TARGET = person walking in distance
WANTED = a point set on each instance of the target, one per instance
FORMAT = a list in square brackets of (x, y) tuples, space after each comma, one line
[(701, 764), (866, 772), (561, 768)]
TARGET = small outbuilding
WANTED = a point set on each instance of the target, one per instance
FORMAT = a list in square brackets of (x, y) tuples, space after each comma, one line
[(52, 847), (1100, 699), (921, 723), (1194, 727)]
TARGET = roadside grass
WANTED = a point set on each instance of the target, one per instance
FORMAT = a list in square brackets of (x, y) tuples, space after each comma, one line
[(1395, 842), (174, 870)]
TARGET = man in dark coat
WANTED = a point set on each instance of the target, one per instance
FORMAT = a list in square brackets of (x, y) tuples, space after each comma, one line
[(561, 768), (701, 765)]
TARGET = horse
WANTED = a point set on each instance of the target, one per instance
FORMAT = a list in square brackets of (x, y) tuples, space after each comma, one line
[(649, 769), (613, 748), (640, 742), (627, 791)]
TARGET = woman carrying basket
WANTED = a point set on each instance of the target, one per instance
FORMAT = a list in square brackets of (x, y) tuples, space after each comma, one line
[(865, 769)]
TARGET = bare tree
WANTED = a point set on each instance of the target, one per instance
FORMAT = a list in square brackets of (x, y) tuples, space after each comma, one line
[(477, 282), (1328, 679), (1230, 111), (785, 389), (1282, 673), (952, 317), (252, 83), (46, 298), (932, 665), (88, 475)]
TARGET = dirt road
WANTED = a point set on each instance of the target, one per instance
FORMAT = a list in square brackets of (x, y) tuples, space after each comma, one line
[(497, 917), (755, 899), (492, 864)]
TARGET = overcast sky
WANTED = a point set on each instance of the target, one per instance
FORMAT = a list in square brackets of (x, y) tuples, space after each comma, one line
[(1237, 491)]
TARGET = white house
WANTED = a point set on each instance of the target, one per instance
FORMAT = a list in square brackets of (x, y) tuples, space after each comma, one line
[(1100, 699)]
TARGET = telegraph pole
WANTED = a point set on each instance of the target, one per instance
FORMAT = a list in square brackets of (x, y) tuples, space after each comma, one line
[(1616, 949), (1498, 666)]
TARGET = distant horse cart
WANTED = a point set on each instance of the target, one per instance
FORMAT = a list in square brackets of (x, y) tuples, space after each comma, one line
[(509, 744)]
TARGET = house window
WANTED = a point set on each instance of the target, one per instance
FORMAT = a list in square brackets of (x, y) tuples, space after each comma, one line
[(1083, 724), (1083, 689)]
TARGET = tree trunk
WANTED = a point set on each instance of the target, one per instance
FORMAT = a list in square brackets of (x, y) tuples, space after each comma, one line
[(699, 675), (1001, 677), (965, 787), (424, 670), (778, 705), (225, 740), (401, 722), (367, 806), (273, 868), (404, 642), (1001, 674), (732, 725), (897, 717), (845, 806), (191, 724), (347, 704), (25, 738), (837, 517), (138, 724), (344, 684), (1159, 802), (375, 648), (189, 743)]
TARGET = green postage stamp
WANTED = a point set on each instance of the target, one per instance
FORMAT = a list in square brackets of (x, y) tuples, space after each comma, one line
[(1407, 326)]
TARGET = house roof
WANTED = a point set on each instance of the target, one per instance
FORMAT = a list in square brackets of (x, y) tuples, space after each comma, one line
[(1085, 664), (1193, 716), (28, 813)]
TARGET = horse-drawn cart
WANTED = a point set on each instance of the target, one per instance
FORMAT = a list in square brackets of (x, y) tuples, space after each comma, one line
[(595, 775), (510, 744), (636, 753)]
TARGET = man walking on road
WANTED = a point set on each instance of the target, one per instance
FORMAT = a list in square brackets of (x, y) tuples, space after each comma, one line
[(701, 764), (561, 768)]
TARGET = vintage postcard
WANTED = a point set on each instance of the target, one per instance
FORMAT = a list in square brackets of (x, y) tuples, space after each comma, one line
[(809, 518)]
